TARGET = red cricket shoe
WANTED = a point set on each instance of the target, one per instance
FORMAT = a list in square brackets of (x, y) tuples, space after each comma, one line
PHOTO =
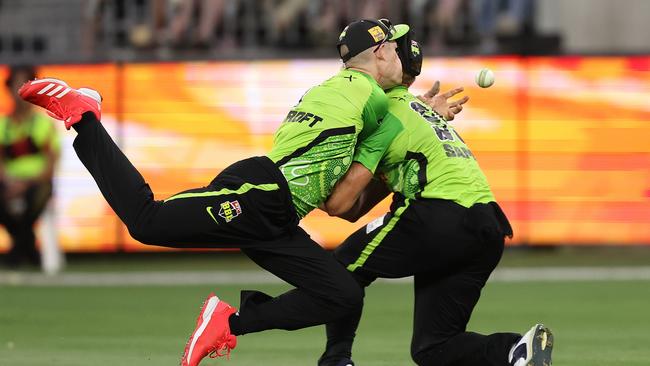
[(212, 334), (61, 101)]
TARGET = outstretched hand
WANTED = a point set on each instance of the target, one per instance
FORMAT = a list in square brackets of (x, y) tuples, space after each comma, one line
[(440, 102)]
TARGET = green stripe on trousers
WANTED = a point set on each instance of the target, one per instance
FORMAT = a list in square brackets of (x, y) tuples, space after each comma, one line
[(241, 190), (365, 253)]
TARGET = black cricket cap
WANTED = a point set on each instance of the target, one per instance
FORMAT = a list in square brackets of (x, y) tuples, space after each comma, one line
[(362, 34), (410, 54)]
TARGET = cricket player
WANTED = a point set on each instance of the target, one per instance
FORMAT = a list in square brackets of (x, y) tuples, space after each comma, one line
[(444, 228), (256, 204)]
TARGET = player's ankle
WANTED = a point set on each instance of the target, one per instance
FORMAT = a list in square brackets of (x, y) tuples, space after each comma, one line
[(235, 324), (86, 119)]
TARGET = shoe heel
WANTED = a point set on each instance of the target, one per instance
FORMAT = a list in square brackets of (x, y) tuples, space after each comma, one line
[(91, 93)]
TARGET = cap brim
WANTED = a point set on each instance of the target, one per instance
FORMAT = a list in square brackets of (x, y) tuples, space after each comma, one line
[(400, 30)]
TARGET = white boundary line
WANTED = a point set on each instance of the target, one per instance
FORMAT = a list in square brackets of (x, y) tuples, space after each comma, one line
[(174, 278)]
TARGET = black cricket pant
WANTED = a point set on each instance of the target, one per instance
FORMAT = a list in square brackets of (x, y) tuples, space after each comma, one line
[(247, 206), (20, 225), (451, 251)]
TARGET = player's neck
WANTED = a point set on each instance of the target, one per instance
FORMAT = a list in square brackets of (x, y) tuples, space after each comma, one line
[(368, 71)]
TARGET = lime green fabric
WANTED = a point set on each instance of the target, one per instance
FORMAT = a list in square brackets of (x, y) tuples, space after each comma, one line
[(241, 190), (428, 158), (370, 247), (371, 150), (314, 145)]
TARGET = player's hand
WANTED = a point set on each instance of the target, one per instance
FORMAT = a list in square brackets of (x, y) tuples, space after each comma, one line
[(440, 102)]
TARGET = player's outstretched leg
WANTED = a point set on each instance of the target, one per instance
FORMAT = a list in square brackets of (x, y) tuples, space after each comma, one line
[(533, 349), (179, 223), (119, 181), (212, 336)]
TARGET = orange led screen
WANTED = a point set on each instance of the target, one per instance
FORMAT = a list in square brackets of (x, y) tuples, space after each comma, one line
[(564, 142)]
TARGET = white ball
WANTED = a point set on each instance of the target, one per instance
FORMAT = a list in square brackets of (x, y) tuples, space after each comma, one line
[(484, 78)]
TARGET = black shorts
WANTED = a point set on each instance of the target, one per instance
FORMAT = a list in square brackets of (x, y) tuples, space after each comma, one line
[(425, 236)]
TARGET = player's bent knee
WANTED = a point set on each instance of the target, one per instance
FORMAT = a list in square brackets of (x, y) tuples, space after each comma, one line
[(427, 352), (350, 297), (425, 358)]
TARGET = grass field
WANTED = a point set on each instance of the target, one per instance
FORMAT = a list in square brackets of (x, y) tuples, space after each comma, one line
[(595, 323)]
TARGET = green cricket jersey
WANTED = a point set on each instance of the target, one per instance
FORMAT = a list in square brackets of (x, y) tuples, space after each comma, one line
[(314, 145), (428, 158)]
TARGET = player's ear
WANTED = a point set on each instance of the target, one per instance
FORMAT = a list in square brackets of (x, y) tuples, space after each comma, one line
[(381, 52), (389, 49)]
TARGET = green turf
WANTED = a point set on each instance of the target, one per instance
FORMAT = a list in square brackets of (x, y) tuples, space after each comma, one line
[(595, 323), (203, 261)]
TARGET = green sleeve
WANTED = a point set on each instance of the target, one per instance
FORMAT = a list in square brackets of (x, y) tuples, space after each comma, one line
[(371, 150), (374, 111)]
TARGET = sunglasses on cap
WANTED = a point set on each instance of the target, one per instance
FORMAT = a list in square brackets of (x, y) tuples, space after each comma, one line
[(391, 30)]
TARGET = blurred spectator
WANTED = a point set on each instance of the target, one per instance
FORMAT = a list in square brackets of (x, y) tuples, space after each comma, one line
[(119, 23), (268, 25), (443, 23), (90, 26), (206, 14), (30, 148), (327, 18), (325, 15), (372, 9), (149, 24), (286, 21), (502, 18)]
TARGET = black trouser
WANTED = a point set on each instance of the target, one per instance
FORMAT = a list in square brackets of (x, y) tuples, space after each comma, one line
[(248, 206), (19, 222), (451, 251)]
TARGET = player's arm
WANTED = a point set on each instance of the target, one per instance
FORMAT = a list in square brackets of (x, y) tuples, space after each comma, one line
[(374, 193), (440, 102), (347, 191), (367, 156)]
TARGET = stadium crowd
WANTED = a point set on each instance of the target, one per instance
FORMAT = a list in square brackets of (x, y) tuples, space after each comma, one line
[(219, 25)]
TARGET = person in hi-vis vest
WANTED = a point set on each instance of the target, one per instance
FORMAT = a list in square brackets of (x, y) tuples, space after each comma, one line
[(30, 148)]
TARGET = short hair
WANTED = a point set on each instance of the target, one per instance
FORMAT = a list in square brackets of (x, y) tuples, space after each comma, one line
[(15, 70), (407, 79), (360, 58)]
